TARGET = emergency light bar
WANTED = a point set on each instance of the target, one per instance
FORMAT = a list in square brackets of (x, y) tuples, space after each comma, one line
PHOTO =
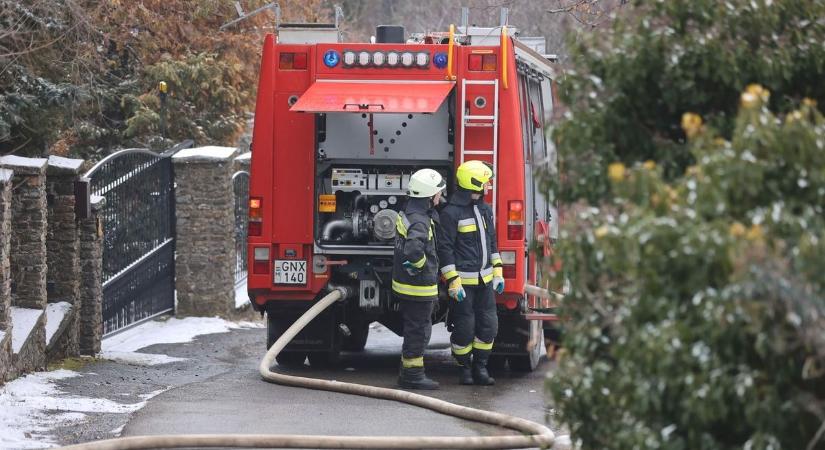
[(379, 59)]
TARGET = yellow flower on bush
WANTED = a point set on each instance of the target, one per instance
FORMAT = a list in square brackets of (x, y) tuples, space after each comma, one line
[(601, 231), (649, 164), (737, 229), (755, 233), (616, 171), (809, 102), (691, 123), (754, 95)]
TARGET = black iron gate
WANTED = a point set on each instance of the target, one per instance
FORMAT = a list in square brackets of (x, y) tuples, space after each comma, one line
[(139, 234)]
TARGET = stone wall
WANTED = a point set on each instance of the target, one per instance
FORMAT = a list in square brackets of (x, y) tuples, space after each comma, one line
[(42, 239), (28, 237), (63, 247), (5, 274), (205, 223), (91, 280)]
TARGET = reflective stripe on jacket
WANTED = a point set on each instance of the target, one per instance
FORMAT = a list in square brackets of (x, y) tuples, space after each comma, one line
[(415, 241), (467, 240)]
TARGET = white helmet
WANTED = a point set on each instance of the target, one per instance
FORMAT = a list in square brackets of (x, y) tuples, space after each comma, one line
[(425, 183)]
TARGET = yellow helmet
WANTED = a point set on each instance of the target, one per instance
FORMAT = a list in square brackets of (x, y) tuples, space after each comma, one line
[(473, 175)]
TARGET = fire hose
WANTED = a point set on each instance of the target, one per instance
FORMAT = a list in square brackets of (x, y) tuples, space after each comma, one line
[(532, 434)]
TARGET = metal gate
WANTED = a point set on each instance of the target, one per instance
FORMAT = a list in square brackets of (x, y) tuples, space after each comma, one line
[(139, 234), (240, 187)]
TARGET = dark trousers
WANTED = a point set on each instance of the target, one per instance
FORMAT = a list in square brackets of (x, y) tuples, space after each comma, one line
[(418, 326), (474, 318)]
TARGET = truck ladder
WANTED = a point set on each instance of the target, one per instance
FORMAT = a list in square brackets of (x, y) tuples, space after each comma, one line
[(481, 121)]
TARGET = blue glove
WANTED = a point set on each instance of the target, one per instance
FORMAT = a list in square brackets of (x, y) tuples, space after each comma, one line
[(412, 270)]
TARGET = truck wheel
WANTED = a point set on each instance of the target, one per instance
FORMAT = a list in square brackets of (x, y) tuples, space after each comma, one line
[(324, 359), (357, 339), (496, 362), (528, 362), (274, 329), (291, 359)]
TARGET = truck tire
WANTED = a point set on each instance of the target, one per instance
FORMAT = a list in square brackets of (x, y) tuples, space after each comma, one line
[(275, 327), (322, 360), (358, 338), (527, 362)]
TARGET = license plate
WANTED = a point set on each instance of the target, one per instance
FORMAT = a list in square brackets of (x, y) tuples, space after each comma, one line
[(290, 271)]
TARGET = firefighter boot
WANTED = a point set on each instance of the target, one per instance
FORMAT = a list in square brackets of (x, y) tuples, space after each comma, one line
[(480, 374), (465, 374), (414, 378)]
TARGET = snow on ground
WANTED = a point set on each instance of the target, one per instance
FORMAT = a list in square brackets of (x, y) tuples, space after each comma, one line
[(30, 406), (170, 331), (33, 405), (241, 295), (139, 359), (55, 312)]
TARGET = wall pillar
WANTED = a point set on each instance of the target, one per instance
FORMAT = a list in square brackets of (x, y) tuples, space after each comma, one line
[(63, 248), (91, 280), (5, 273), (28, 262), (205, 227)]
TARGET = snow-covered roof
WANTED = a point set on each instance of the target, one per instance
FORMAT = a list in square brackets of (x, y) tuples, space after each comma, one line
[(5, 175), (205, 153), (55, 312), (23, 321), (60, 164), (244, 156), (21, 164)]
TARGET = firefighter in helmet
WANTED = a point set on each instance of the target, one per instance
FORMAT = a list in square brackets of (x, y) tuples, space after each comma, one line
[(415, 273), (471, 264)]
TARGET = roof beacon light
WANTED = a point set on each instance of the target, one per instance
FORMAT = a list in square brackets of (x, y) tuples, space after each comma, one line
[(331, 58), (440, 60), (392, 59), (364, 59), (422, 59), (349, 58), (407, 59), (378, 59)]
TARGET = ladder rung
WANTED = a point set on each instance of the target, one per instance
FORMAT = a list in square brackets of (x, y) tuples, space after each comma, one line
[(479, 117), (478, 152), (476, 124), (480, 81)]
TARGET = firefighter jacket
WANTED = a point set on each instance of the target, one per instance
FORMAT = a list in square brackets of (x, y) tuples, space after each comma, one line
[(467, 240), (415, 242)]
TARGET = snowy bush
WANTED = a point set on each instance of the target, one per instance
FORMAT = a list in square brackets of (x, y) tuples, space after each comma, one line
[(694, 238), (697, 312)]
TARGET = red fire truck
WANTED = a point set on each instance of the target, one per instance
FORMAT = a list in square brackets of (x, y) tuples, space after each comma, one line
[(339, 129)]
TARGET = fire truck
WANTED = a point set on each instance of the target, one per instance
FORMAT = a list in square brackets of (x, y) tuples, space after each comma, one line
[(340, 127)]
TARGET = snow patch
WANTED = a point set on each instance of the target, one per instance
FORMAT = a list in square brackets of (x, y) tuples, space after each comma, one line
[(28, 406), (65, 163), (241, 294), (244, 156), (55, 313), (22, 324), (20, 161), (562, 442), (169, 331), (5, 175), (211, 152), (139, 359)]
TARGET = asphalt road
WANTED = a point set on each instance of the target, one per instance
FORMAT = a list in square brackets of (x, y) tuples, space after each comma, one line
[(218, 390)]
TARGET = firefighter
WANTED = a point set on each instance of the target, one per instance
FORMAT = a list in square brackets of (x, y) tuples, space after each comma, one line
[(415, 274), (472, 266)]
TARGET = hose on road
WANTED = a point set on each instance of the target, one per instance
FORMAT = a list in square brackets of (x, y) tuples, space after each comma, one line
[(532, 434)]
